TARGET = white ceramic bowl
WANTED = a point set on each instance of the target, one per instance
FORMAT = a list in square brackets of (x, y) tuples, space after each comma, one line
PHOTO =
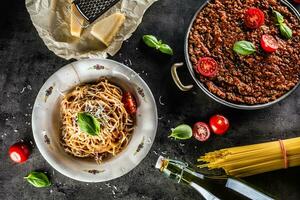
[(46, 120)]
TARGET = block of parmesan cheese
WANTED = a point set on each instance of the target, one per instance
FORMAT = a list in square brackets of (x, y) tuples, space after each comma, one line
[(106, 29), (76, 20)]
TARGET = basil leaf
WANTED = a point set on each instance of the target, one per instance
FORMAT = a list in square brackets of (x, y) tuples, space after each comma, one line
[(164, 48), (182, 132), (151, 41), (244, 48), (38, 179), (285, 31), (278, 16), (88, 124)]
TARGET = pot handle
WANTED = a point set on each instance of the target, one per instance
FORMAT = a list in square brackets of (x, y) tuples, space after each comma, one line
[(176, 79)]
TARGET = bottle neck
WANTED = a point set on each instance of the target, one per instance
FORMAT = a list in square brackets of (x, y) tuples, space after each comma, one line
[(180, 172)]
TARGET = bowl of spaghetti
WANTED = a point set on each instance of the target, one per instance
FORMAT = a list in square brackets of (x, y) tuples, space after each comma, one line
[(94, 120)]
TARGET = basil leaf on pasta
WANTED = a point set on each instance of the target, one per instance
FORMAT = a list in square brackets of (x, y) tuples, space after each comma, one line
[(88, 124)]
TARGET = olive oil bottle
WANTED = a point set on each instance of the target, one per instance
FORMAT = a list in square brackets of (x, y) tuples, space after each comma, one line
[(210, 187)]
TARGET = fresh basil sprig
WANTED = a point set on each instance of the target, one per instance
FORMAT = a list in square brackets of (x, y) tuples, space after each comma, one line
[(285, 31), (153, 42), (88, 124), (182, 132), (244, 47), (38, 179)]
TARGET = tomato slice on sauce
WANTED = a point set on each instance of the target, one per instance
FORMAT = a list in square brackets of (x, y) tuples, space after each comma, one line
[(207, 67), (268, 43), (219, 124), (129, 103), (19, 152), (201, 131), (254, 18)]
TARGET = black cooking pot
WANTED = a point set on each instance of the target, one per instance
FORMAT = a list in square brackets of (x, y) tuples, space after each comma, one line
[(202, 86)]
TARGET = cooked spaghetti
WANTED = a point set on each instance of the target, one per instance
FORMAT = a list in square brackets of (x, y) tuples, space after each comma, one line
[(103, 101)]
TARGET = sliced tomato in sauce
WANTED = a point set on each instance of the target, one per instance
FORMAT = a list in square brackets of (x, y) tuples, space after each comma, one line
[(207, 66), (269, 43), (254, 18), (129, 103), (201, 131)]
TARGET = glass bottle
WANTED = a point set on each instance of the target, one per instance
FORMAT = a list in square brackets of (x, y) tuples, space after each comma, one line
[(210, 187)]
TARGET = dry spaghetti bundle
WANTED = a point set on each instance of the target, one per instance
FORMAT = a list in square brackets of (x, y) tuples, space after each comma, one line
[(254, 159), (102, 100)]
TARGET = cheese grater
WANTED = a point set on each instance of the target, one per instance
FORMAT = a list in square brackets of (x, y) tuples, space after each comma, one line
[(92, 9)]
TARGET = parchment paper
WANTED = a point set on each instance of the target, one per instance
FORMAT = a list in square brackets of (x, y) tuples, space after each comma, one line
[(51, 19)]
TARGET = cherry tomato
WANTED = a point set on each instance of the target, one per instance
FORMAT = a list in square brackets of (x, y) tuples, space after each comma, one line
[(254, 18), (129, 103), (19, 152), (207, 67), (201, 131), (269, 43), (219, 124)]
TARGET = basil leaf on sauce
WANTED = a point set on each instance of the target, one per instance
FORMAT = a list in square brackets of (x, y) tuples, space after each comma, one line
[(38, 179), (285, 31), (182, 132), (278, 16), (88, 124), (244, 47)]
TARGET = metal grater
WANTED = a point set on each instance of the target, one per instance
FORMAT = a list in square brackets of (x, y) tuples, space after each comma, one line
[(92, 9)]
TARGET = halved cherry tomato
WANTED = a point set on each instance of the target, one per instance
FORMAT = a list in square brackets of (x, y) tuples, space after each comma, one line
[(254, 18), (269, 43), (207, 67), (201, 131), (129, 103), (219, 124), (19, 152)]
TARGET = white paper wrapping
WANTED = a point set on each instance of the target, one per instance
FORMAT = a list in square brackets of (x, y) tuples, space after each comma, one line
[(51, 19)]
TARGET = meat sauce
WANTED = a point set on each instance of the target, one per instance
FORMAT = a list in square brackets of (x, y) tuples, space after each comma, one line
[(253, 79)]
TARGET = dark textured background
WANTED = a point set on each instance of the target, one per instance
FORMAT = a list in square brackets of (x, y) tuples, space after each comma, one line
[(26, 62)]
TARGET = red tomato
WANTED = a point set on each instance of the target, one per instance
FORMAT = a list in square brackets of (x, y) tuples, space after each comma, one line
[(207, 67), (268, 43), (219, 124), (19, 152), (201, 131), (297, 1), (129, 103), (254, 18)]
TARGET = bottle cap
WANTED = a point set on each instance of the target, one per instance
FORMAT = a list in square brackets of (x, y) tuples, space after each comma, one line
[(159, 162)]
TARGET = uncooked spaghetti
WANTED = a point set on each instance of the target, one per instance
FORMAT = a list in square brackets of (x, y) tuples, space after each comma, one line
[(254, 159), (103, 101)]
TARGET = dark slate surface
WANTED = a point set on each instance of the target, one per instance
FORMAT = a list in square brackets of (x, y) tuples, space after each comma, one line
[(26, 62)]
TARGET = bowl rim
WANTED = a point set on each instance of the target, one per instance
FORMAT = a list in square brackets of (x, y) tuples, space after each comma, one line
[(40, 144)]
